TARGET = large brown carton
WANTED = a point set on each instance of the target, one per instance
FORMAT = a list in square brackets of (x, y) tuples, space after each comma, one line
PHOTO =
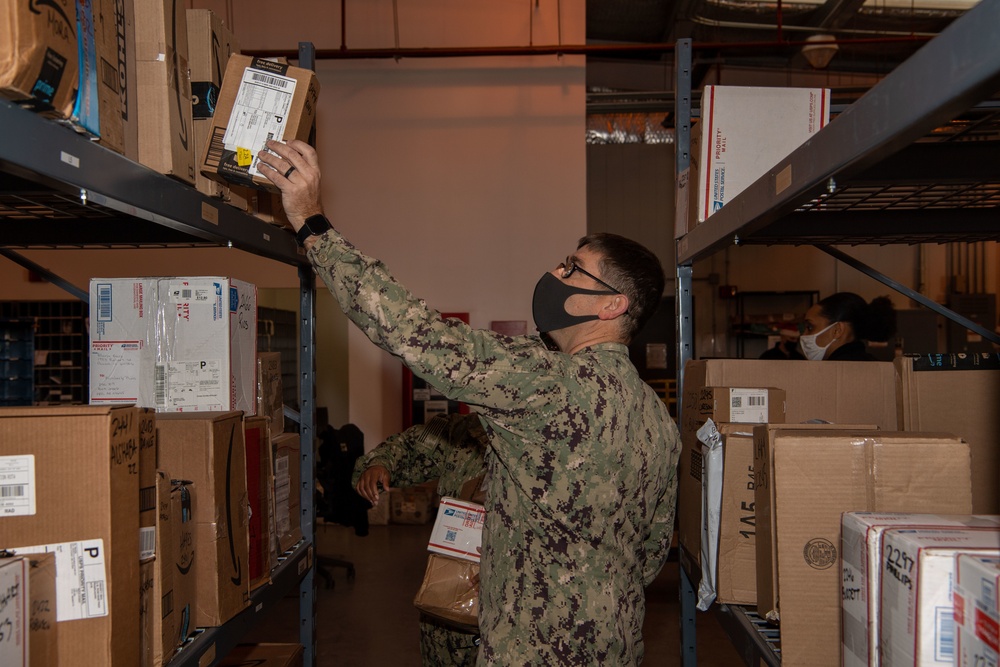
[(43, 633), (147, 483), (286, 450), (260, 490), (260, 100), (264, 655), (166, 132), (957, 393), (28, 611), (736, 578), (728, 404), (77, 472), (210, 43), (38, 56), (805, 480), (207, 449), (99, 100)]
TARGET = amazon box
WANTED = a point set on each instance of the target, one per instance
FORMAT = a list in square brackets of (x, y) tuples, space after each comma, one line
[(977, 610), (862, 554), (260, 489), (286, 453), (166, 135), (260, 100), (264, 655), (804, 481), (721, 405), (76, 493), (39, 65), (918, 574), (958, 393), (208, 450), (210, 43)]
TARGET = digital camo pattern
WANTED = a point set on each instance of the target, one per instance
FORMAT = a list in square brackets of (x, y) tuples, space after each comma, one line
[(450, 449), (581, 470)]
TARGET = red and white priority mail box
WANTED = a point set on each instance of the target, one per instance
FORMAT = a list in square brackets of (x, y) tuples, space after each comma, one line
[(458, 529)]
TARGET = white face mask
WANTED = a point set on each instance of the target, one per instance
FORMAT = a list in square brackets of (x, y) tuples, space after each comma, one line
[(810, 349)]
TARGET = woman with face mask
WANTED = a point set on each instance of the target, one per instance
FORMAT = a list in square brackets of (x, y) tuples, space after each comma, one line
[(837, 327)]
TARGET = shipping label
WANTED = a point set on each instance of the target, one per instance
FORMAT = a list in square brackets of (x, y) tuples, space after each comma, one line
[(192, 385), (748, 406), (259, 113), (81, 578), (17, 485), (114, 371)]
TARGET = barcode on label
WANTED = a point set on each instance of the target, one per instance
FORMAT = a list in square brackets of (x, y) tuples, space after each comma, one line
[(147, 498), (756, 401), (104, 303), (270, 80), (12, 490), (989, 593), (944, 625), (216, 147), (160, 385), (186, 294), (147, 543), (737, 402)]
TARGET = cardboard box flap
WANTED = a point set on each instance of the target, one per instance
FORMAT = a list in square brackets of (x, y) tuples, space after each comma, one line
[(61, 411)]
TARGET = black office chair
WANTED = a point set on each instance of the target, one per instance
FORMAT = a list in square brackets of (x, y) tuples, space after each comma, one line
[(339, 502)]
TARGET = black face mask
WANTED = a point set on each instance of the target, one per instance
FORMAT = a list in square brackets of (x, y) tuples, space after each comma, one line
[(548, 305)]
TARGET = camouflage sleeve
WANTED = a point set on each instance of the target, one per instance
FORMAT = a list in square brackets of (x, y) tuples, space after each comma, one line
[(411, 457), (657, 544), (463, 363)]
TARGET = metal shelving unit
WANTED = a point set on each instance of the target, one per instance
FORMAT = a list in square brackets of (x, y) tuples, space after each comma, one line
[(60, 190), (887, 170)]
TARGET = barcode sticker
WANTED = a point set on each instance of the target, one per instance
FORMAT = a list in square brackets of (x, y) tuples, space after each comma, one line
[(944, 629), (160, 385), (17, 485), (270, 80), (147, 543), (81, 578), (260, 112), (104, 310), (748, 406)]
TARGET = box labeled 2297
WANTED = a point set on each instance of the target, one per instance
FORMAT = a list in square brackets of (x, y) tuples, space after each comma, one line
[(260, 100)]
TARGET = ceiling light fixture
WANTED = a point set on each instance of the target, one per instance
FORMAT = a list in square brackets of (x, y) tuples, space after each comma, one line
[(820, 50)]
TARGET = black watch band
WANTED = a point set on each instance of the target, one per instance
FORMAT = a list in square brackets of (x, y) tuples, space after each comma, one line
[(313, 226)]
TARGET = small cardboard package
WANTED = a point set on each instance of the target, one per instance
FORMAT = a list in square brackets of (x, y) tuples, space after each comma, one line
[(977, 610), (260, 100), (917, 625), (28, 612), (260, 498), (450, 591), (804, 481), (863, 534), (76, 475), (208, 450), (410, 505), (270, 391), (264, 655), (286, 451), (957, 393), (39, 56), (186, 344), (166, 135), (745, 405)]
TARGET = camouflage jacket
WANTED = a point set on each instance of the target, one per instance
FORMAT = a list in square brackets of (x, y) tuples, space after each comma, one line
[(449, 448), (581, 470)]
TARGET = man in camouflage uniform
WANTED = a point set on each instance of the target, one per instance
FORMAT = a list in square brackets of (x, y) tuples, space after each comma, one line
[(450, 449), (581, 468)]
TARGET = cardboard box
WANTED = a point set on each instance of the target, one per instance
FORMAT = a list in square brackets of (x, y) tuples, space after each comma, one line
[(411, 505), (98, 102), (722, 405), (270, 391), (260, 489), (977, 610), (167, 591), (450, 591), (747, 130), (38, 56), (287, 489), (917, 625), (81, 504), (28, 611), (43, 631), (379, 515), (166, 135), (208, 449), (147, 484), (458, 529), (958, 394), (264, 655), (805, 480), (175, 344), (260, 100), (862, 552), (210, 43), (736, 576)]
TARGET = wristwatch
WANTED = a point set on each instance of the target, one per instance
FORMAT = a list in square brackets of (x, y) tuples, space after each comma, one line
[(314, 226)]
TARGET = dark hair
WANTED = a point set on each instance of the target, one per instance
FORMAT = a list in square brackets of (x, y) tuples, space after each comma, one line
[(870, 321), (635, 270)]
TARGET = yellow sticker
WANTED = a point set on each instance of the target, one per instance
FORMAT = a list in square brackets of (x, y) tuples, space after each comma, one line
[(244, 156)]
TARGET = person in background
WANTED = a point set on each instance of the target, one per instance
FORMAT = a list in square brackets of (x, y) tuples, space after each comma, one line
[(787, 346), (451, 450), (836, 328), (582, 464)]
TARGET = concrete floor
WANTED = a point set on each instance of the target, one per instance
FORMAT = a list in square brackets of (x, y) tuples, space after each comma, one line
[(371, 621)]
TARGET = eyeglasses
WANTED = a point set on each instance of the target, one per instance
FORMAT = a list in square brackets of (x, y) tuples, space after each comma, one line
[(568, 267)]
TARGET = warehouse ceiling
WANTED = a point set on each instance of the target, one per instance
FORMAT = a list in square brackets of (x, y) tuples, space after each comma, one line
[(872, 36)]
